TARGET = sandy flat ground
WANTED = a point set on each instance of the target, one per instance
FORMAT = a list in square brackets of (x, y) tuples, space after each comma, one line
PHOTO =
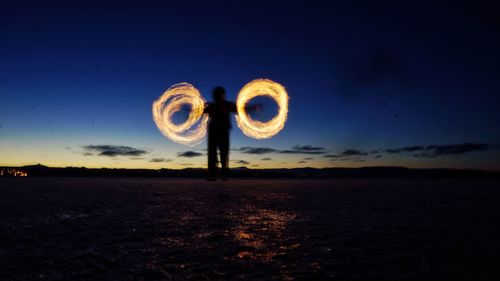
[(160, 229)]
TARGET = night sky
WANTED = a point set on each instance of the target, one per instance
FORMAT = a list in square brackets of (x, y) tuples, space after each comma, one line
[(371, 83)]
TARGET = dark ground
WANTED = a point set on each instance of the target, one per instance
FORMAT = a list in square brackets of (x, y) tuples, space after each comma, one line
[(155, 229)]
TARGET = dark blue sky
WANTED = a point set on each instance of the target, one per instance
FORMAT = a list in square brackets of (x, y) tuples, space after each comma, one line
[(363, 76)]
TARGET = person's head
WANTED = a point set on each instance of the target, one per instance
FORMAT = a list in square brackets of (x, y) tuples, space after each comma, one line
[(219, 94)]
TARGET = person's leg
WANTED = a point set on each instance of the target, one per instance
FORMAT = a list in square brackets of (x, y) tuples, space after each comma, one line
[(212, 155), (223, 142)]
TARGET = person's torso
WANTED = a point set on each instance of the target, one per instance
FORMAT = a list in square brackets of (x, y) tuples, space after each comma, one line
[(219, 114)]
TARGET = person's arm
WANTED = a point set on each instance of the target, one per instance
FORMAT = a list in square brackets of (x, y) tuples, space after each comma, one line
[(248, 108), (232, 107), (206, 110)]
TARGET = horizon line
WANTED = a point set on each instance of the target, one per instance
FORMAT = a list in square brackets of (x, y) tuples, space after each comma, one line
[(252, 168)]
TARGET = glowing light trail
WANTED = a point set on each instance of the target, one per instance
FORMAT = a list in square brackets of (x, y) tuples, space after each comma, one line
[(194, 129), (172, 100), (254, 128)]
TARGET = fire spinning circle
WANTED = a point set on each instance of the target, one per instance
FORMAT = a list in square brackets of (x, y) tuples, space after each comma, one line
[(190, 132), (254, 128)]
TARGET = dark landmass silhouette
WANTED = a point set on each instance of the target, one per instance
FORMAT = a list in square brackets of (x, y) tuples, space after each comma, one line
[(244, 172)]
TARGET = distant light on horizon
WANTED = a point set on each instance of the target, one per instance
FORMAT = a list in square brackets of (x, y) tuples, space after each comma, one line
[(11, 172)]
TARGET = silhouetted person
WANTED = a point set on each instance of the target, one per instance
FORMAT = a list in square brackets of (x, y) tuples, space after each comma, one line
[(219, 125)]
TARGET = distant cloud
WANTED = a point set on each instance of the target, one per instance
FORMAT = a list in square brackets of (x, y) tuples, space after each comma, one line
[(243, 162), (405, 149), (189, 154), (352, 159), (308, 147), (453, 149), (362, 155), (354, 152), (305, 149), (256, 150), (430, 151), (160, 160), (298, 149), (112, 150), (301, 152), (348, 152)]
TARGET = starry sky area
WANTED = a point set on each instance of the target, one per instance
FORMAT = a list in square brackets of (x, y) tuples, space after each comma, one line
[(371, 83)]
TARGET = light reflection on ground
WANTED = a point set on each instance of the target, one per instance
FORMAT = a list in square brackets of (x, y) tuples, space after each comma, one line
[(261, 233)]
